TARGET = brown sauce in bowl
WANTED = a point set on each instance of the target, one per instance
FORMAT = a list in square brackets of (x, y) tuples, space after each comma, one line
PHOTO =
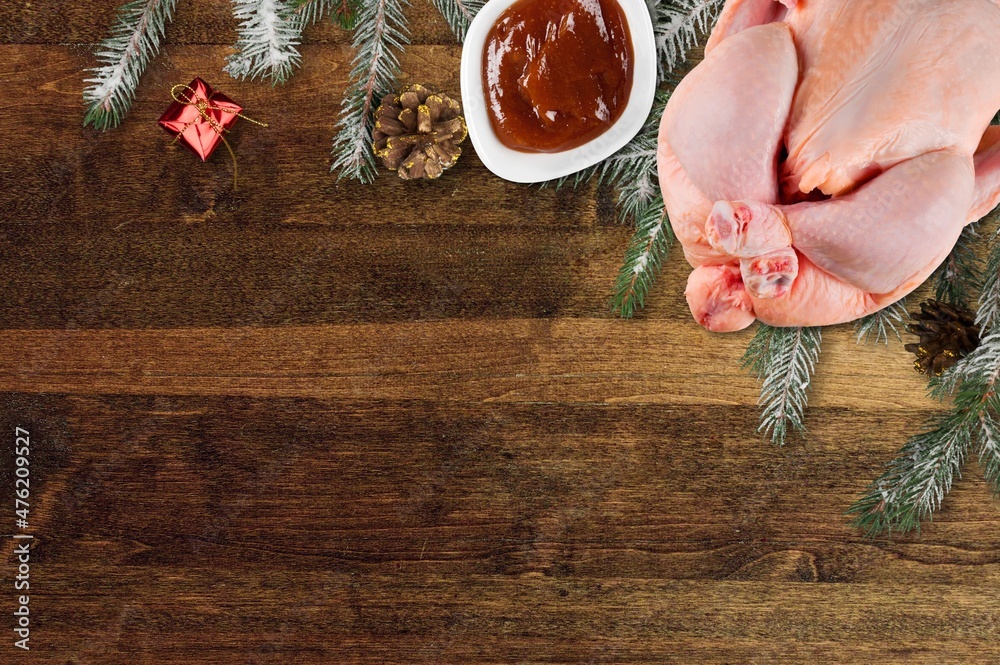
[(557, 73)]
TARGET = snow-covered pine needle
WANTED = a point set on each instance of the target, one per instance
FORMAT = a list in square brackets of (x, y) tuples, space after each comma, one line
[(988, 314), (135, 39), (458, 14), (268, 35), (650, 243), (310, 11), (881, 323), (915, 483), (381, 34), (989, 299), (784, 360), (343, 12), (978, 371), (958, 278), (989, 451), (678, 26), (631, 170)]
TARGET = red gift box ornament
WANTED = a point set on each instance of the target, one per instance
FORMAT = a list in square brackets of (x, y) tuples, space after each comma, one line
[(199, 118)]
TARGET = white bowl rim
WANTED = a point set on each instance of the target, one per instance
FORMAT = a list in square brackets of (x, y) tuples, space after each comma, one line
[(527, 167)]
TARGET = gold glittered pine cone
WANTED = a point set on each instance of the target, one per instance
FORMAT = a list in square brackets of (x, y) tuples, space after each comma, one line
[(946, 332), (417, 132)]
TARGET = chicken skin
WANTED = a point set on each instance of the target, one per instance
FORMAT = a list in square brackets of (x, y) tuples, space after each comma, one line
[(823, 159)]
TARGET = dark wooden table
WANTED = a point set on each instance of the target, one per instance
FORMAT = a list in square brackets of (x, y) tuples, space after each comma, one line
[(319, 422)]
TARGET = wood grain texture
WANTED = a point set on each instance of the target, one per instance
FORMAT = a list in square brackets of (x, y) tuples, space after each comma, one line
[(317, 422)]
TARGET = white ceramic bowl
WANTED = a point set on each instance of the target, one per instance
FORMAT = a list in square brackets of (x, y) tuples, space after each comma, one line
[(520, 166)]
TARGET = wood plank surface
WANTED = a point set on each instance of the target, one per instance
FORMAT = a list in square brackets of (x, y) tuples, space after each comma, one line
[(311, 421)]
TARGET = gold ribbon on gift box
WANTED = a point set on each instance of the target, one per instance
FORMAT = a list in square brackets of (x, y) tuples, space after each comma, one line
[(203, 106)]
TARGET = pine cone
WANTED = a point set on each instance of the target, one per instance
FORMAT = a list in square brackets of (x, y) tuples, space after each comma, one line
[(417, 132), (947, 333)]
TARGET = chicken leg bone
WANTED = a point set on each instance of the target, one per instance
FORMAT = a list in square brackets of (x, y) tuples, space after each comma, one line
[(770, 275), (745, 229)]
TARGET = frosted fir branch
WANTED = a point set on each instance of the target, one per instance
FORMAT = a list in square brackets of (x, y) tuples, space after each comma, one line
[(458, 14), (635, 162), (678, 26), (135, 39), (988, 451), (381, 33), (268, 35), (647, 248), (784, 360), (913, 486), (879, 324), (915, 483), (631, 170), (978, 371), (310, 11), (958, 278), (343, 12), (989, 299), (989, 296)]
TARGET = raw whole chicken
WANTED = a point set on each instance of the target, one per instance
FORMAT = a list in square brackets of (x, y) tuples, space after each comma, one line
[(823, 159)]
